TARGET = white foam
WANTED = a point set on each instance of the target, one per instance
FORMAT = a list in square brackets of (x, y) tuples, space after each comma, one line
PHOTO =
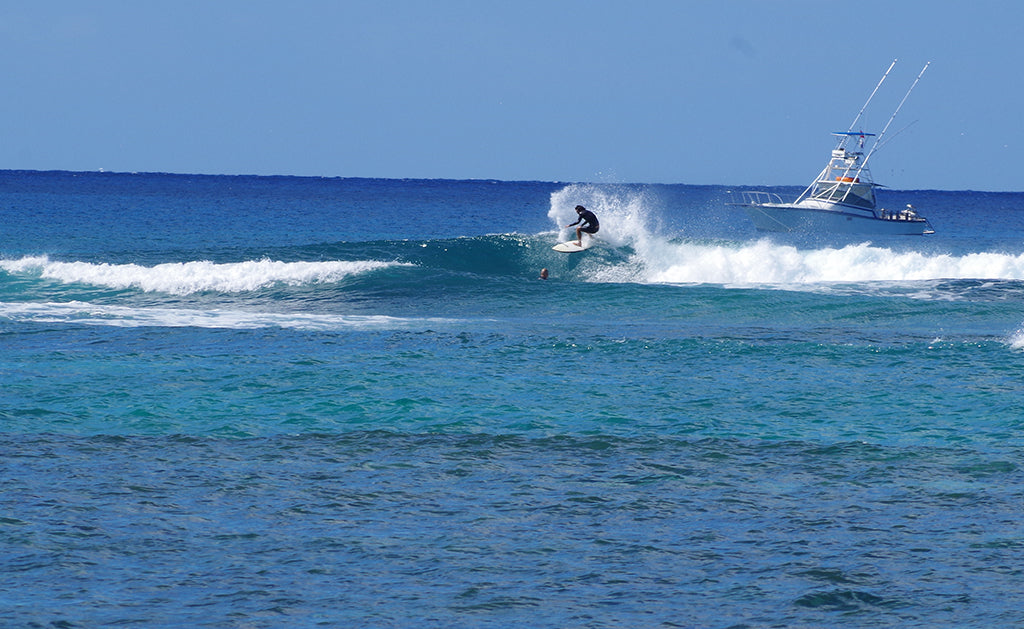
[(132, 317), (183, 278), (764, 262), (1016, 340)]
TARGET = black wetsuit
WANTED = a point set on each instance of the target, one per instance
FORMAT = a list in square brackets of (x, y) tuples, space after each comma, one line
[(591, 225)]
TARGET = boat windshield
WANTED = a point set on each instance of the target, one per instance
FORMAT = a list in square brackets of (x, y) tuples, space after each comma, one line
[(851, 193)]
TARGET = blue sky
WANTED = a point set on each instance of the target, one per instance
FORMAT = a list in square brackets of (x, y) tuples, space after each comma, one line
[(727, 92)]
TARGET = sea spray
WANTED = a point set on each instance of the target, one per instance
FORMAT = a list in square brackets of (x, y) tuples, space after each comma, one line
[(625, 213)]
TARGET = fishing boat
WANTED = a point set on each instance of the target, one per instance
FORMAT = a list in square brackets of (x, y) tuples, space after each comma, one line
[(842, 197)]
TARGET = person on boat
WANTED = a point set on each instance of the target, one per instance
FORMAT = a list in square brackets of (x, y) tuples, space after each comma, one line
[(590, 224)]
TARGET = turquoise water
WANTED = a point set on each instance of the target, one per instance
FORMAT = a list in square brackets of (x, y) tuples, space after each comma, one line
[(265, 402)]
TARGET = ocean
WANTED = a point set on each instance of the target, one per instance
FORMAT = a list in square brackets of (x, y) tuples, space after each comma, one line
[(231, 401)]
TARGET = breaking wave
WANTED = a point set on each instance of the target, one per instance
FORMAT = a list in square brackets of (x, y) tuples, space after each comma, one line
[(184, 278)]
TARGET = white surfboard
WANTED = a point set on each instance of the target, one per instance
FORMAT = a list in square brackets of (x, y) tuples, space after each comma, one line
[(572, 247)]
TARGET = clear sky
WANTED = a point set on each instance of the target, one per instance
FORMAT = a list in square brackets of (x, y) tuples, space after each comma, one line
[(727, 92)]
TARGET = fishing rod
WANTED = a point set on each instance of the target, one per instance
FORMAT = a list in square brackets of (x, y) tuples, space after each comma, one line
[(894, 136)]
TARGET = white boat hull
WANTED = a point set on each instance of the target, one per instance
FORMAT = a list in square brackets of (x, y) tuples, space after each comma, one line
[(798, 219)]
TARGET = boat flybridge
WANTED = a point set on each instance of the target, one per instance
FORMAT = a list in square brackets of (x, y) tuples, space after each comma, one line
[(842, 198)]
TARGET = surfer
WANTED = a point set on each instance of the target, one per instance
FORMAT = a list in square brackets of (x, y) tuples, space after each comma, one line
[(590, 224)]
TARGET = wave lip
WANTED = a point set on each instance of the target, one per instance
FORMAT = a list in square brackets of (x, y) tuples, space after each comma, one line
[(184, 278)]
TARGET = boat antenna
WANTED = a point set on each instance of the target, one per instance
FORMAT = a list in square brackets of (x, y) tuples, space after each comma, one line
[(868, 101), (878, 140)]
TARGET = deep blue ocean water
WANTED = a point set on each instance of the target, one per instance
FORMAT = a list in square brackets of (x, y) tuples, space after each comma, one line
[(281, 401)]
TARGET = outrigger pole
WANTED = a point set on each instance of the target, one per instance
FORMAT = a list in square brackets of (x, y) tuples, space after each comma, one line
[(860, 113), (893, 116)]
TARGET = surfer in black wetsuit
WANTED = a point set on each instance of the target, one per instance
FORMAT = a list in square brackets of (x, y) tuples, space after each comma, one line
[(590, 224)]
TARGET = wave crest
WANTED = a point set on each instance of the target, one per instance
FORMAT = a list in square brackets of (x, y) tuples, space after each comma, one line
[(184, 278)]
